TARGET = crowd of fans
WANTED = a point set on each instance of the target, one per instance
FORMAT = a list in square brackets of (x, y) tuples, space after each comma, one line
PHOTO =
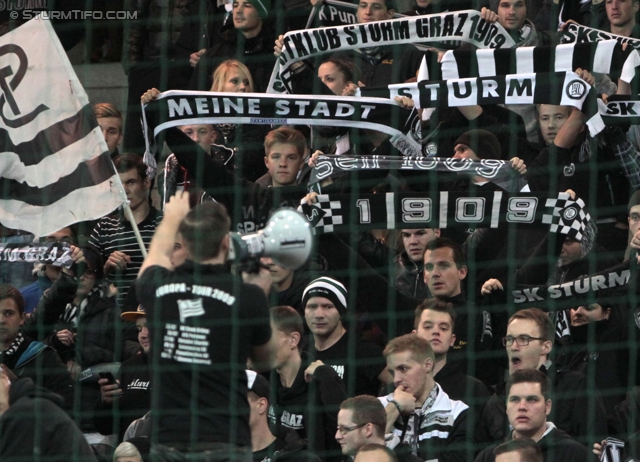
[(388, 344)]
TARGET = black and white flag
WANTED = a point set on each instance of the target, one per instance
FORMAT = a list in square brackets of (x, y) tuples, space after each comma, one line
[(464, 26), (175, 108), (559, 88), (189, 308), (55, 168), (603, 57), (336, 213)]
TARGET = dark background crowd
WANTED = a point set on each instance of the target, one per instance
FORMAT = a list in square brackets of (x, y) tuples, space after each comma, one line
[(401, 343)]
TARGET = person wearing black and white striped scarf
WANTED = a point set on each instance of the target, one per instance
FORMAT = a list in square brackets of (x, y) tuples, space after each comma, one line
[(512, 15), (15, 345), (74, 310)]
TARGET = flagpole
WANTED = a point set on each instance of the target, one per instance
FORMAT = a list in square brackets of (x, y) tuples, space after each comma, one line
[(127, 211), (129, 214), (312, 15)]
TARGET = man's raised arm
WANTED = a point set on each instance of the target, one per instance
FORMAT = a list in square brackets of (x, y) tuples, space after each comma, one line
[(164, 238)]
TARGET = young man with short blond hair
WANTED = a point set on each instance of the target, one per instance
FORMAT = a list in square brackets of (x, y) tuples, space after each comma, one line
[(435, 322), (417, 398), (110, 121)]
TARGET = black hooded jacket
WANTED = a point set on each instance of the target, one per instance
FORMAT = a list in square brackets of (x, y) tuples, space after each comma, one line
[(35, 426), (41, 364)]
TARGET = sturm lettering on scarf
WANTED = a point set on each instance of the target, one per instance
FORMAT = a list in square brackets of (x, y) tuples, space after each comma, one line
[(573, 288), (449, 26)]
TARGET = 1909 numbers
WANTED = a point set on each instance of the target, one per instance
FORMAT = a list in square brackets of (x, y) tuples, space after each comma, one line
[(467, 209)]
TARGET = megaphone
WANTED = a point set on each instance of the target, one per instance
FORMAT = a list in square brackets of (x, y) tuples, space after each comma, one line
[(287, 239)]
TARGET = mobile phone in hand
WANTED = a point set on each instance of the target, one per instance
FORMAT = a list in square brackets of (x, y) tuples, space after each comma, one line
[(109, 376)]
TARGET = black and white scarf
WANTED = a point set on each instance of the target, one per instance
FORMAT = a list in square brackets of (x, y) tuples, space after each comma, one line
[(15, 345), (558, 88), (72, 313), (411, 431), (498, 171), (175, 108), (339, 213), (53, 253), (576, 33), (330, 13), (571, 293), (603, 57), (375, 110), (465, 26), (621, 109)]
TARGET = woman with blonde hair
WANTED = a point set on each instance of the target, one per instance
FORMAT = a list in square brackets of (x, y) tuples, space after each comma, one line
[(127, 452), (239, 148), (231, 76)]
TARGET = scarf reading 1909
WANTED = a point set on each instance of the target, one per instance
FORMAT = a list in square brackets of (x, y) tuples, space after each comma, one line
[(340, 213)]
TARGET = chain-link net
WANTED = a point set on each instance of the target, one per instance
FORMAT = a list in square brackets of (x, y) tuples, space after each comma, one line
[(388, 234)]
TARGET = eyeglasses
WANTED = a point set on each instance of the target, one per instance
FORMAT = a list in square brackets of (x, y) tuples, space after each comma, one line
[(65, 239), (90, 272), (344, 430), (521, 340)]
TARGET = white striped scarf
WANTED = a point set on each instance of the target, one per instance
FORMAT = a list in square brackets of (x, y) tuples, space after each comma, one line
[(602, 57), (72, 313), (576, 33)]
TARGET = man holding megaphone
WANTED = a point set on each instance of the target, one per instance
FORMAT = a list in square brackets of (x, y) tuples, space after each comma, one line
[(205, 323)]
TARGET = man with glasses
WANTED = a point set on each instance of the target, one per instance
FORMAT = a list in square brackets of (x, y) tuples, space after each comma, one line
[(362, 421), (48, 274), (529, 341)]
